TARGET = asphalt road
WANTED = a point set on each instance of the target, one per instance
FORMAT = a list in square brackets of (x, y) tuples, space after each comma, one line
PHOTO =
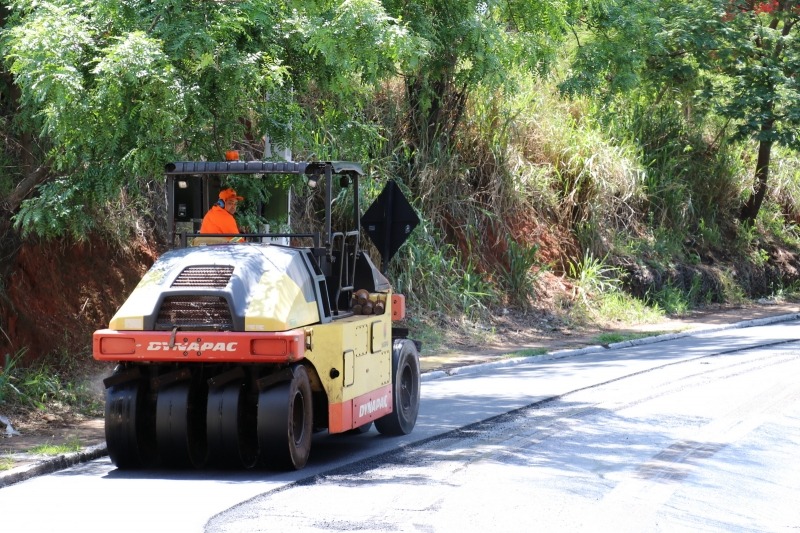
[(705, 444), (697, 432)]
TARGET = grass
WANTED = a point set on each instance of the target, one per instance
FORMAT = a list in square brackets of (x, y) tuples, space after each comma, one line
[(615, 308), (518, 278), (43, 385), (547, 183), (425, 332), (592, 276), (7, 375), (433, 277), (526, 352), (673, 301), (72, 445), (611, 338), (6, 464), (619, 306)]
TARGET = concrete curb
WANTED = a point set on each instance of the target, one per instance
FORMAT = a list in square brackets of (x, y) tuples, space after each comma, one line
[(49, 465)]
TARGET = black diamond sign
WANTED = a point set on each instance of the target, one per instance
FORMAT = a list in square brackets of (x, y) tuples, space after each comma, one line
[(389, 221)]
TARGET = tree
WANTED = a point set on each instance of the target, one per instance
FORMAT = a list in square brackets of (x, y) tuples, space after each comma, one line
[(473, 43), (761, 58), (113, 89), (737, 57)]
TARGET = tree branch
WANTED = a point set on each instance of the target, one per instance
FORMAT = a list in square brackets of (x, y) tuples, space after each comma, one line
[(153, 25), (24, 188), (575, 33)]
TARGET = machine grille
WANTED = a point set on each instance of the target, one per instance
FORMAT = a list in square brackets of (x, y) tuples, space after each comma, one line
[(213, 276), (195, 312)]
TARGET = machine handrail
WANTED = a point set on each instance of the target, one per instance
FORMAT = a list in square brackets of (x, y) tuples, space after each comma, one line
[(314, 236)]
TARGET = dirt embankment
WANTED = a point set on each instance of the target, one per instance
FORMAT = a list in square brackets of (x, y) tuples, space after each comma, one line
[(53, 296)]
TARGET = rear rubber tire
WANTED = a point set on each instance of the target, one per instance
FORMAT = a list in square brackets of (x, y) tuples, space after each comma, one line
[(405, 390), (231, 427), (285, 422), (180, 426), (360, 430), (130, 426)]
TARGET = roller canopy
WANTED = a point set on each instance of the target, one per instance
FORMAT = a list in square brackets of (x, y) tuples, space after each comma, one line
[(260, 167)]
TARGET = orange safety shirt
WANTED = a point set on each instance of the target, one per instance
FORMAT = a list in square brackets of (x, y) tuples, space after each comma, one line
[(217, 220)]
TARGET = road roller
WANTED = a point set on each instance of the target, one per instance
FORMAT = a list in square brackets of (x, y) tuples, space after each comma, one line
[(233, 351)]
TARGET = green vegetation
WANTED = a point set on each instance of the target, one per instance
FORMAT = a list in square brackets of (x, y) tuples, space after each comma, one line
[(6, 463), (73, 445), (7, 372), (44, 386), (593, 276), (611, 338), (726, 64), (519, 277), (642, 155), (621, 308), (527, 352)]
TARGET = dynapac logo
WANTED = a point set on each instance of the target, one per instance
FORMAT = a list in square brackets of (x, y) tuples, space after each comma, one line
[(157, 346), (374, 405)]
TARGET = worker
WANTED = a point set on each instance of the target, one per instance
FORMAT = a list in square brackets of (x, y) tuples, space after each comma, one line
[(219, 218)]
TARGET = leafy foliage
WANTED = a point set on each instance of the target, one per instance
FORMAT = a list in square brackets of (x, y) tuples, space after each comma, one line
[(473, 44), (519, 277), (642, 153), (115, 89), (593, 277), (43, 384), (735, 57), (7, 377), (431, 277), (57, 210)]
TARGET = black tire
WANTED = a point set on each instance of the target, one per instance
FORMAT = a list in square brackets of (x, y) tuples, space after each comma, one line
[(231, 427), (405, 390), (181, 426), (285, 422), (360, 430), (130, 426)]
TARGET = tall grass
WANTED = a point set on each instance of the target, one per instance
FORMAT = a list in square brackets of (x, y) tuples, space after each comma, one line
[(694, 179), (434, 276), (597, 291), (518, 275), (7, 378), (534, 181), (42, 385), (592, 276), (781, 215), (593, 177)]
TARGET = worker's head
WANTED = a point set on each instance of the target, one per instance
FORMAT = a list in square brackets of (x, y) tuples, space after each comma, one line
[(229, 200)]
